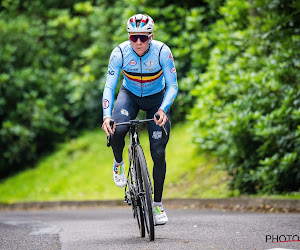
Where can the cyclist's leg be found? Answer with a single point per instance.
(125, 109)
(158, 145)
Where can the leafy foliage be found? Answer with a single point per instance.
(54, 64)
(238, 72)
(248, 99)
(52, 74)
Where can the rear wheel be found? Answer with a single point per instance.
(146, 191)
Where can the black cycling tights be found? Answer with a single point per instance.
(126, 108)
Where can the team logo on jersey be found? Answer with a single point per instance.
(124, 112)
(112, 58)
(105, 103)
(171, 57)
(157, 134)
(132, 62)
(151, 70)
(173, 70)
(150, 63)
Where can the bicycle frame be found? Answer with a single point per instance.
(140, 190)
(133, 142)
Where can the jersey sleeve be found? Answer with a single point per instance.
(114, 67)
(169, 71)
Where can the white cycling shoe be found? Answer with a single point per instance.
(119, 174)
(160, 216)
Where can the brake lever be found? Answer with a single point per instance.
(163, 128)
(111, 124)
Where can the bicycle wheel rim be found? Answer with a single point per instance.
(136, 204)
(146, 199)
(139, 216)
(140, 220)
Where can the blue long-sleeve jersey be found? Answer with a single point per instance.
(143, 76)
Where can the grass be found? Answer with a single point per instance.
(81, 169)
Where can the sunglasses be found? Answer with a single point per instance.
(143, 38)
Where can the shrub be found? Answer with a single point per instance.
(248, 101)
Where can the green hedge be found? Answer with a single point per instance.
(52, 72)
(54, 64)
(248, 100)
(238, 73)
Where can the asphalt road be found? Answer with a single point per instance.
(115, 228)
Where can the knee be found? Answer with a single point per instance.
(120, 131)
(119, 135)
(157, 150)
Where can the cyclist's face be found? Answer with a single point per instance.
(140, 47)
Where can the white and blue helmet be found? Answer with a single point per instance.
(140, 23)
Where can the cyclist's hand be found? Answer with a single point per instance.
(106, 126)
(163, 118)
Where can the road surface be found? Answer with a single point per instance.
(115, 228)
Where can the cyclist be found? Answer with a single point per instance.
(149, 84)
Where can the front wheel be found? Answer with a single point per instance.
(146, 192)
(134, 194)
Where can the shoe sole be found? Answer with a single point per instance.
(160, 224)
(121, 185)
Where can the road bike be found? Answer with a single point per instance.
(139, 190)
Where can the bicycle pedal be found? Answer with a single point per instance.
(128, 201)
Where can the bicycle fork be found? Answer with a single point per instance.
(129, 193)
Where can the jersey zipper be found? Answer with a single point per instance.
(141, 77)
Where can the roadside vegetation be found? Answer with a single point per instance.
(81, 169)
(237, 63)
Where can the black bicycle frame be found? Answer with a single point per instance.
(140, 190)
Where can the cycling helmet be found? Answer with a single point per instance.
(140, 23)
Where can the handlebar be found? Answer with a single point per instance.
(134, 123)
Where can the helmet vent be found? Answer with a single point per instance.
(140, 23)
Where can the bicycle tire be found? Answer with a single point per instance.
(146, 199)
(135, 200)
